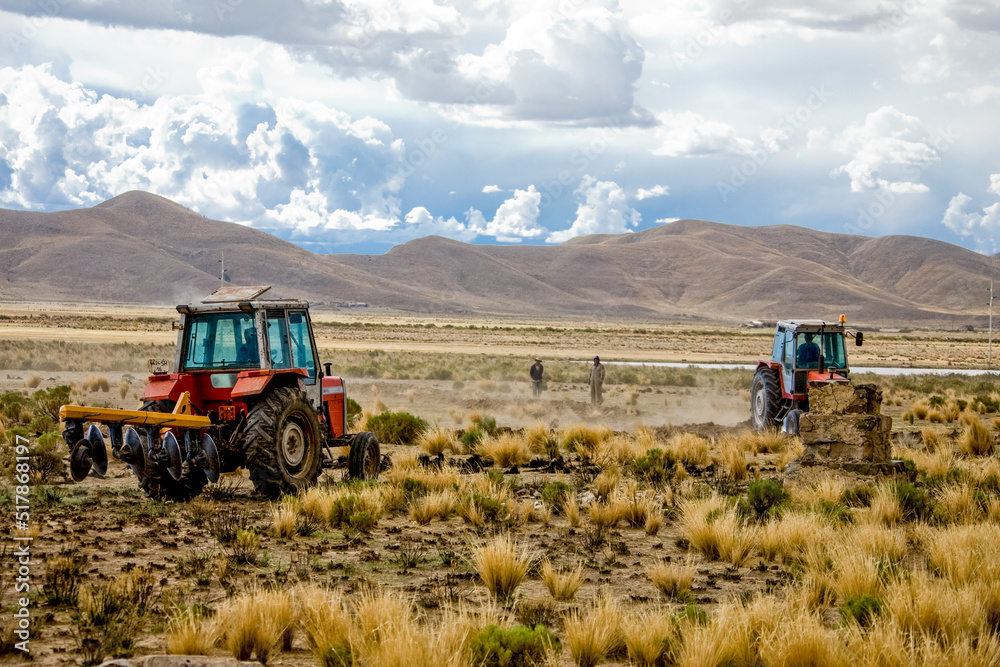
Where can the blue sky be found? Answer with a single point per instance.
(353, 125)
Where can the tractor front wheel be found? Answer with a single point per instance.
(765, 400)
(283, 443)
(156, 482)
(365, 457)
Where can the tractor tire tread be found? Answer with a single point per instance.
(261, 444)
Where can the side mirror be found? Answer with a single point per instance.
(859, 338)
(326, 369)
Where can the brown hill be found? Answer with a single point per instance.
(142, 248)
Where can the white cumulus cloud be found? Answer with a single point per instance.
(515, 219)
(690, 134)
(604, 210)
(234, 152)
(490, 189)
(982, 228)
(889, 151)
(655, 191)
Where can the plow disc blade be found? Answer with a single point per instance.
(133, 444)
(98, 452)
(80, 461)
(212, 463)
(173, 455)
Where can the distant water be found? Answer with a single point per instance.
(881, 370)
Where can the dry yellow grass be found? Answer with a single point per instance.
(975, 439)
(965, 553)
(439, 440)
(377, 612)
(572, 512)
(188, 633)
(671, 578)
(885, 508)
(617, 451)
(733, 458)
(315, 503)
(254, 623)
(689, 448)
(584, 440)
(502, 566)
(283, 517)
(562, 585)
(791, 536)
(505, 450)
(958, 504)
(595, 632)
(649, 636)
(606, 484)
(326, 623)
(439, 504)
(605, 515)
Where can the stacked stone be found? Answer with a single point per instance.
(845, 428)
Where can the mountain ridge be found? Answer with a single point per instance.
(142, 248)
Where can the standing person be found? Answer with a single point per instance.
(536, 377)
(596, 382)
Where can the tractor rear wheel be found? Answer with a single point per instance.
(765, 400)
(156, 482)
(283, 443)
(365, 456)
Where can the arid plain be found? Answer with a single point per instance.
(676, 559)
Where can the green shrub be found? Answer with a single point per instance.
(765, 498)
(555, 493)
(863, 609)
(518, 646)
(833, 511)
(362, 522)
(988, 403)
(859, 496)
(48, 401)
(654, 467)
(343, 509)
(42, 424)
(694, 613)
(470, 439)
(47, 456)
(397, 428)
(487, 425)
(11, 404)
(914, 502)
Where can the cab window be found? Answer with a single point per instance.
(220, 340)
(303, 355)
(779, 342)
(277, 338)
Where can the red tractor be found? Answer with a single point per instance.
(246, 390)
(806, 353)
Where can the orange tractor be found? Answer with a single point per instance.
(805, 353)
(246, 389)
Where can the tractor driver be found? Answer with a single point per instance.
(248, 352)
(808, 353)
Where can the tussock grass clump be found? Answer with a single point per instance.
(803, 640)
(595, 632)
(733, 458)
(284, 517)
(506, 450)
(672, 579)
(605, 516)
(957, 503)
(439, 504)
(584, 440)
(62, 578)
(378, 613)
(975, 439)
(572, 511)
(649, 637)
(541, 440)
(793, 535)
(315, 504)
(110, 617)
(254, 624)
(964, 554)
(327, 625)
(617, 451)
(190, 633)
(562, 585)
(502, 566)
(689, 448)
(439, 440)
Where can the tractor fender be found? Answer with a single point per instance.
(167, 387)
(253, 383)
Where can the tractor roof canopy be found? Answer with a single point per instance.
(228, 299)
(811, 325)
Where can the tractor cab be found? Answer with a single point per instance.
(805, 353)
